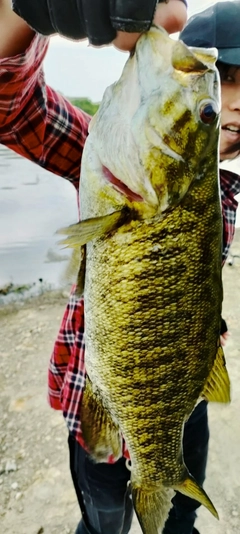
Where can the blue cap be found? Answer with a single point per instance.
(217, 26)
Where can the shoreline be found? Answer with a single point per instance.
(14, 295)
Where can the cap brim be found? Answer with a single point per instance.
(229, 55)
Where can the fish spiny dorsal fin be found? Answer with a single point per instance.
(217, 386)
(184, 60)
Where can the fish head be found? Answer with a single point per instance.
(154, 127)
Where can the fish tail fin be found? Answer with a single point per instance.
(191, 489)
(151, 507)
(101, 434)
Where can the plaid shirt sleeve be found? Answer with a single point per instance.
(36, 121)
(230, 187)
(41, 125)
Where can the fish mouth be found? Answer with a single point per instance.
(120, 186)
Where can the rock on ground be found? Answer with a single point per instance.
(36, 493)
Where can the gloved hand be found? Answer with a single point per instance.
(98, 20)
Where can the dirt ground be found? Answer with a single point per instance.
(36, 493)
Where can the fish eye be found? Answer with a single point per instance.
(207, 113)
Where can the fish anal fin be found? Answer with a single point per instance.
(191, 489)
(100, 433)
(217, 386)
(151, 506)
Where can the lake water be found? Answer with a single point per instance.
(34, 204)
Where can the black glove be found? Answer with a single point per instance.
(77, 19)
(98, 20)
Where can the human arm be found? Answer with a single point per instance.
(36, 121)
(101, 21)
(15, 34)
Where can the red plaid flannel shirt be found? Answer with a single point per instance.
(41, 125)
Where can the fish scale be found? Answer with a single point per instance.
(152, 236)
(138, 325)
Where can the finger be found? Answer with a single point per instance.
(126, 41)
(171, 16)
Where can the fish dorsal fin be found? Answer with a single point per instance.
(184, 60)
(217, 386)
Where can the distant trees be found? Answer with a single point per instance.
(85, 104)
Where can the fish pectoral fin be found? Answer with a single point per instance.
(151, 507)
(217, 386)
(191, 489)
(81, 233)
(101, 434)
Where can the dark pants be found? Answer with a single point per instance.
(103, 492)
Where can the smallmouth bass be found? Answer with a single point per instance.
(151, 238)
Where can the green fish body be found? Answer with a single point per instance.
(153, 292)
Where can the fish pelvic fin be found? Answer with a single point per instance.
(84, 231)
(217, 386)
(75, 270)
(81, 272)
(100, 433)
(191, 489)
(151, 507)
